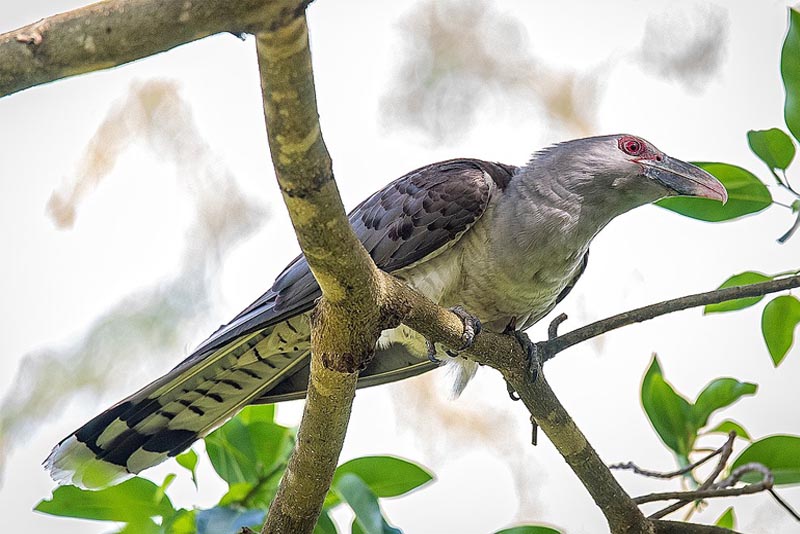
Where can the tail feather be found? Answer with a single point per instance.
(391, 363)
(167, 416)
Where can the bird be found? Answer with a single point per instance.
(505, 243)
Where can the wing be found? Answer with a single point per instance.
(412, 219)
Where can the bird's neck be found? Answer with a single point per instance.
(567, 203)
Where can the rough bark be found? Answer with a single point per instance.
(347, 320)
(107, 34)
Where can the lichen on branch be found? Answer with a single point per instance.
(106, 34)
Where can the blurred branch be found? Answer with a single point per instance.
(110, 33)
(463, 57)
(148, 324)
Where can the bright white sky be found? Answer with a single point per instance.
(55, 282)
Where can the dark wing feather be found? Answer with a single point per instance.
(417, 215)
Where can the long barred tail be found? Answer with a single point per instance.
(167, 416)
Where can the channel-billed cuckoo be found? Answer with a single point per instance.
(505, 243)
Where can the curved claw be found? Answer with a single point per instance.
(472, 327)
(535, 353)
(512, 393)
(432, 352)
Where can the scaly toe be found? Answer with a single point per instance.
(472, 327)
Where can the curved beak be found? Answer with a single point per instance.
(684, 178)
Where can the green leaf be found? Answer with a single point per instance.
(741, 279)
(386, 476)
(727, 519)
(746, 195)
(669, 413)
(188, 460)
(778, 322)
(142, 526)
(183, 522)
(790, 72)
(364, 502)
(325, 524)
(236, 493)
(781, 454)
(225, 520)
(528, 529)
(773, 146)
(264, 413)
(247, 452)
(132, 501)
(728, 425)
(718, 394)
(162, 489)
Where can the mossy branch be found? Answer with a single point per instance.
(348, 318)
(107, 34)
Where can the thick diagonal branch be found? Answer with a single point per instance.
(503, 353)
(110, 33)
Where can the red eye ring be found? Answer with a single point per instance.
(631, 145)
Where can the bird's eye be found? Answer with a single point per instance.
(631, 145)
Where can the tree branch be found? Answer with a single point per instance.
(662, 308)
(110, 33)
(725, 453)
(504, 353)
(722, 488)
(348, 319)
(725, 450)
(679, 527)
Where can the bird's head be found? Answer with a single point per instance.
(629, 167)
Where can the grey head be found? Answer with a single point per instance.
(619, 171)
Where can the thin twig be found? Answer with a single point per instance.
(652, 311)
(720, 489)
(701, 494)
(725, 453)
(671, 474)
(737, 474)
(785, 183)
(785, 237)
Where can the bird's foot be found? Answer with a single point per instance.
(432, 352)
(472, 327)
(536, 354)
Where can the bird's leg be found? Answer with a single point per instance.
(510, 328)
(472, 327)
(539, 352)
(536, 353)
